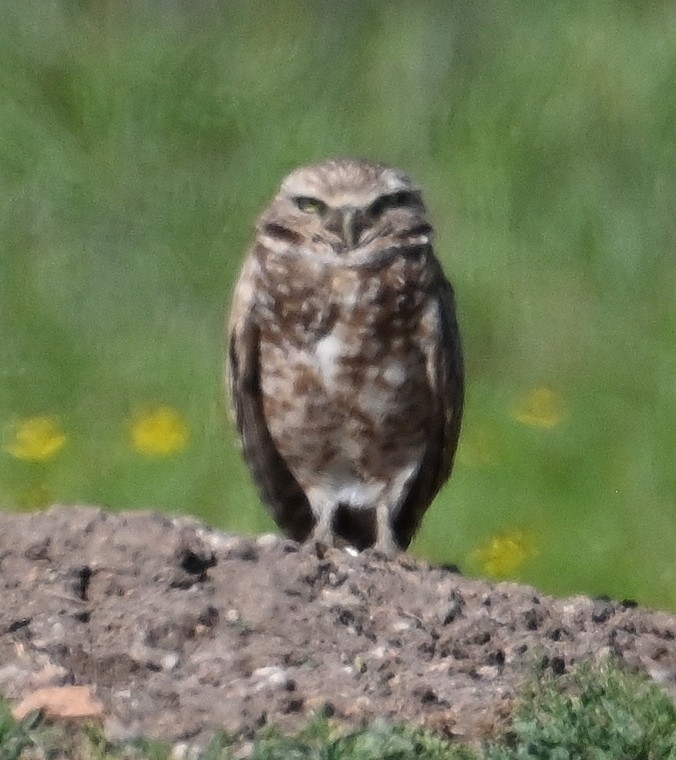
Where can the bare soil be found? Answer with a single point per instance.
(181, 630)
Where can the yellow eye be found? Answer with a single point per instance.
(310, 205)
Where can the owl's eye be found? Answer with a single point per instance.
(394, 200)
(310, 205)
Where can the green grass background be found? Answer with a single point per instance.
(139, 140)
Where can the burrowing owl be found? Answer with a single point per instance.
(345, 367)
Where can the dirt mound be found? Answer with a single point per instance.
(180, 629)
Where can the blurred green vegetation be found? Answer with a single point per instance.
(139, 140)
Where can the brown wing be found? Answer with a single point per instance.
(447, 381)
(277, 486)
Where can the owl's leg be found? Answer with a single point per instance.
(385, 543)
(322, 533)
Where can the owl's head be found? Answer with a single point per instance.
(346, 209)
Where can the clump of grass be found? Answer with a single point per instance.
(31, 739)
(14, 736)
(380, 741)
(594, 713)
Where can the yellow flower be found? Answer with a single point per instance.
(159, 432)
(37, 439)
(503, 555)
(542, 407)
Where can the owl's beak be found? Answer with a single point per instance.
(348, 224)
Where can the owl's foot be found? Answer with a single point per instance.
(387, 548)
